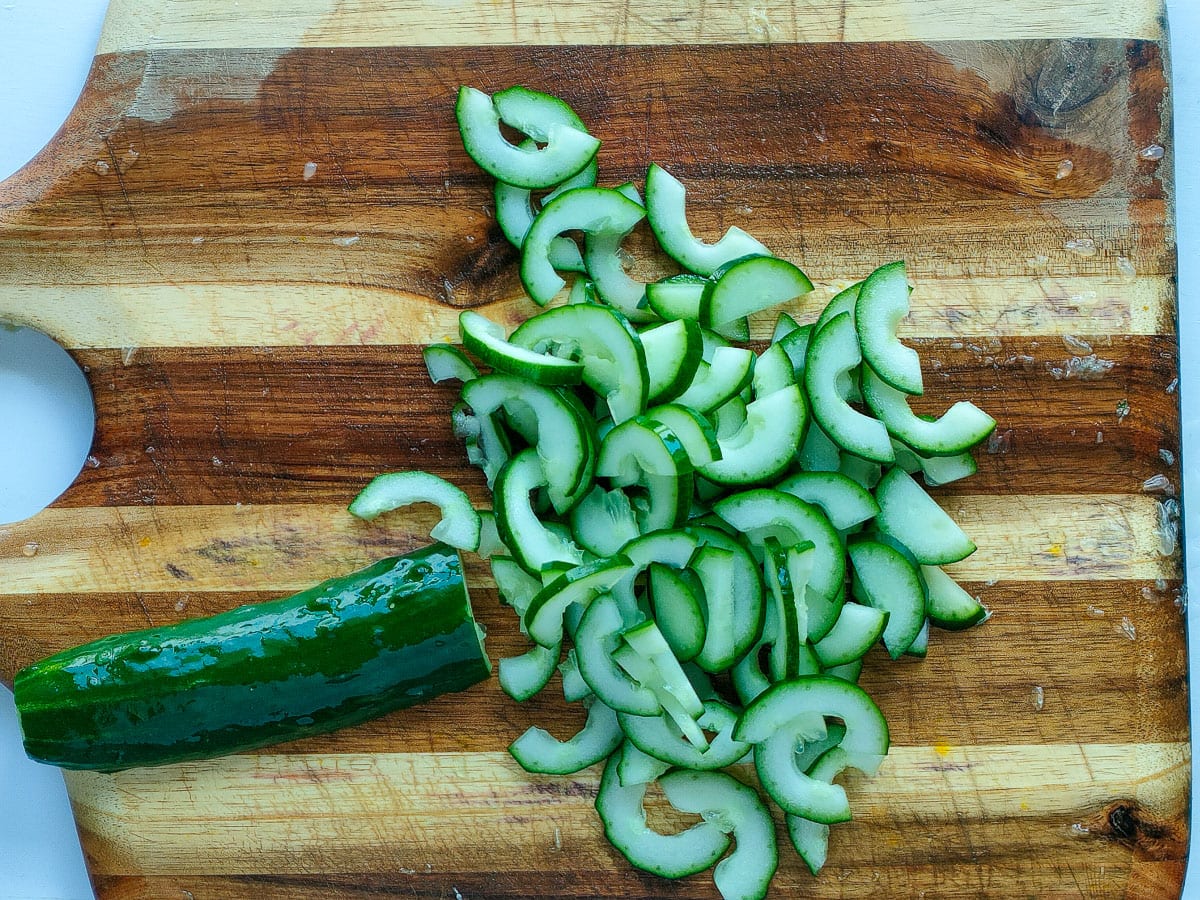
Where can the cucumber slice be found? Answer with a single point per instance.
(695, 434)
(882, 303)
(728, 418)
(866, 735)
(950, 606)
(762, 513)
(515, 586)
(574, 688)
(660, 738)
(568, 148)
(920, 645)
(647, 658)
(811, 840)
(885, 580)
(843, 301)
(459, 525)
(523, 676)
(540, 752)
(603, 257)
(445, 362)
(787, 575)
(590, 210)
(678, 297)
(848, 672)
(487, 445)
(818, 453)
(720, 798)
(795, 345)
(580, 585)
(913, 518)
(726, 376)
(961, 427)
(833, 352)
(559, 433)
(666, 200)
(772, 372)
(603, 522)
(855, 632)
(641, 453)
(677, 610)
(598, 636)
(533, 545)
(784, 325)
(765, 445)
(863, 472)
(533, 112)
(714, 567)
(750, 285)
(635, 767)
(490, 543)
(515, 212)
(844, 501)
(673, 352)
(670, 856)
(939, 470)
(608, 348)
(485, 339)
(732, 581)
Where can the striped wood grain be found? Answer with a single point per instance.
(250, 337)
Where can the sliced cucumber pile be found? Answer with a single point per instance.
(709, 537)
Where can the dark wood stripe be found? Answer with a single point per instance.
(288, 425)
(1109, 656)
(802, 143)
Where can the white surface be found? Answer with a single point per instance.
(45, 51)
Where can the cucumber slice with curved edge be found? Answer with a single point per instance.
(726, 376)
(855, 632)
(843, 301)
(863, 472)
(445, 362)
(523, 676)
(866, 729)
(762, 513)
(606, 345)
(788, 572)
(728, 419)
(603, 257)
(914, 519)
(818, 453)
(695, 434)
(949, 605)
(459, 525)
(598, 635)
(487, 445)
(560, 434)
(772, 372)
(490, 543)
(844, 500)
(920, 645)
(714, 567)
(485, 339)
(765, 445)
(590, 210)
(515, 586)
(533, 545)
(657, 736)
(721, 798)
(635, 767)
(961, 427)
(540, 752)
(641, 453)
(534, 112)
(811, 840)
(750, 285)
(678, 297)
(882, 303)
(940, 470)
(670, 856)
(580, 585)
(745, 587)
(603, 522)
(666, 201)
(785, 324)
(647, 658)
(795, 345)
(677, 610)
(834, 351)
(887, 581)
(515, 212)
(673, 351)
(568, 148)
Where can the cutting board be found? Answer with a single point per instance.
(257, 212)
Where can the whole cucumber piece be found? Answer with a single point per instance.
(391, 635)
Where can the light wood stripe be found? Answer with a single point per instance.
(191, 314)
(290, 546)
(346, 812)
(133, 25)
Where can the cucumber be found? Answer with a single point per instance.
(347, 650)
(913, 518)
(882, 303)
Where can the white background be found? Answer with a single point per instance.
(45, 51)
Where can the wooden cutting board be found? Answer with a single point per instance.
(258, 211)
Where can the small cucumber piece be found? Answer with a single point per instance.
(459, 526)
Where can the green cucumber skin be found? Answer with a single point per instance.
(347, 650)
